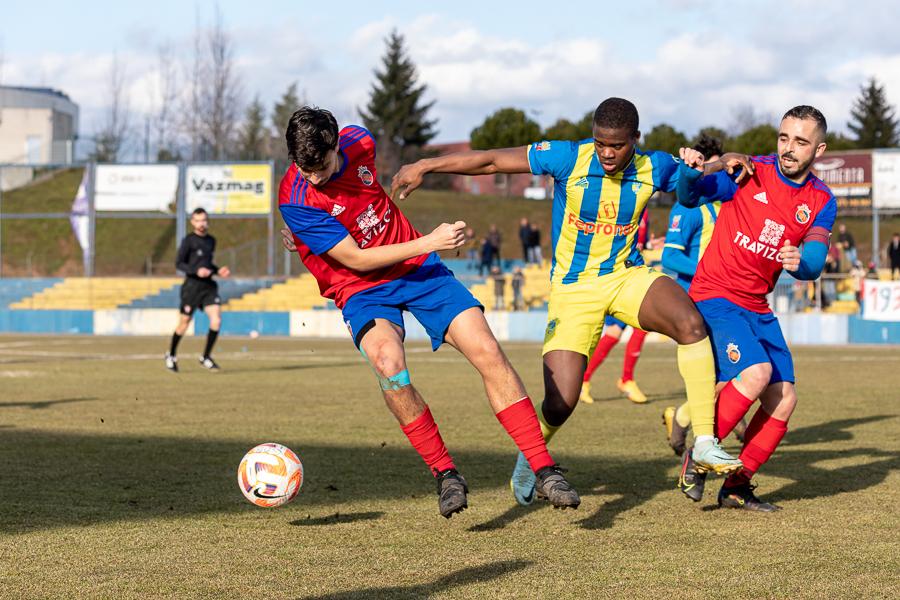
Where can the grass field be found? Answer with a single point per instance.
(118, 481)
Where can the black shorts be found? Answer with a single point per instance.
(198, 294)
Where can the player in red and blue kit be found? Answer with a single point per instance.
(775, 204)
(369, 259)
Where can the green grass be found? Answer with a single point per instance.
(118, 481)
(124, 246)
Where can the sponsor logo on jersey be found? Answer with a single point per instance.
(756, 247)
(591, 227)
(541, 146)
(370, 224)
(761, 197)
(771, 233)
(803, 213)
(336, 210)
(733, 353)
(365, 175)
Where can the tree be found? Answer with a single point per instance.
(166, 99)
(838, 141)
(396, 113)
(872, 119)
(111, 138)
(565, 129)
(666, 138)
(762, 139)
(508, 127)
(252, 139)
(281, 114)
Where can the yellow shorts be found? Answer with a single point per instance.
(576, 312)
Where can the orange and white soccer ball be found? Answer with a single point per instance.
(270, 475)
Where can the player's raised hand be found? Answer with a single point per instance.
(408, 178)
(692, 158)
(789, 256)
(734, 160)
(224, 272)
(287, 240)
(448, 236)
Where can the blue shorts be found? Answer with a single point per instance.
(431, 293)
(610, 320)
(742, 338)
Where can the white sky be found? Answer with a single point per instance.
(685, 62)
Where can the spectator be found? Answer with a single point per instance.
(857, 274)
(534, 245)
(847, 244)
(872, 272)
(525, 238)
(495, 239)
(472, 246)
(487, 256)
(499, 288)
(518, 280)
(893, 254)
(832, 266)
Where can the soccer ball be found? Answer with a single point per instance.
(270, 475)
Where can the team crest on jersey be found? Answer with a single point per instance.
(551, 330)
(336, 210)
(676, 223)
(803, 213)
(733, 353)
(365, 175)
(541, 146)
(771, 233)
(636, 186)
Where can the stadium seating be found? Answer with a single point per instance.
(13, 291)
(535, 290)
(93, 293)
(297, 293)
(229, 289)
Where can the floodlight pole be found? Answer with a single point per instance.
(876, 243)
(1, 222)
(270, 238)
(92, 220)
(179, 205)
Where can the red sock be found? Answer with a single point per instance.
(632, 353)
(521, 423)
(731, 406)
(423, 434)
(605, 344)
(764, 433)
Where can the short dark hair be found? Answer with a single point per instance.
(617, 113)
(199, 211)
(805, 111)
(311, 133)
(708, 146)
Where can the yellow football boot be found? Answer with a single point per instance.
(632, 391)
(585, 395)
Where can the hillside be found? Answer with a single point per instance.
(48, 247)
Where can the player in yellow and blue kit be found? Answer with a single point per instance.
(601, 187)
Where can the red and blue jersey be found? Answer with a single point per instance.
(351, 203)
(759, 214)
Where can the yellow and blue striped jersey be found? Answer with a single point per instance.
(595, 215)
(690, 230)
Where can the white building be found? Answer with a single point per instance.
(37, 126)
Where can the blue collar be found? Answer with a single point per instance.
(785, 179)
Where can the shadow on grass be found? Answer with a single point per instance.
(831, 431)
(228, 369)
(42, 404)
(337, 518)
(456, 579)
(87, 479)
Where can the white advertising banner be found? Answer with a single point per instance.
(881, 300)
(229, 189)
(135, 187)
(885, 179)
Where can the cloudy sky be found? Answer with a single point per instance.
(684, 62)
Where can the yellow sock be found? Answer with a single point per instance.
(683, 415)
(548, 430)
(695, 363)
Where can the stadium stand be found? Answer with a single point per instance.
(13, 291)
(93, 293)
(229, 289)
(297, 293)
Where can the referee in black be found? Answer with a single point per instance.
(199, 290)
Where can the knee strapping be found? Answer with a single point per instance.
(394, 382)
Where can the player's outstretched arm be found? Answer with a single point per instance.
(473, 162)
(805, 265)
(446, 236)
(677, 260)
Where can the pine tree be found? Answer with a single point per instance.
(281, 114)
(396, 113)
(252, 137)
(872, 119)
